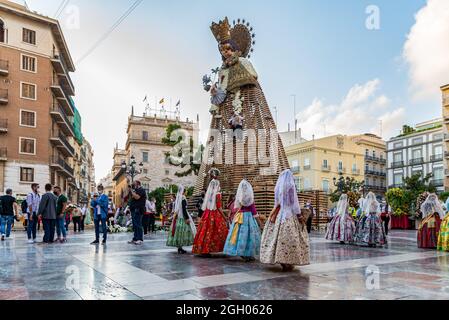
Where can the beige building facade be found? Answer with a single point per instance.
(36, 109)
(144, 142)
(375, 152)
(445, 101)
(316, 163)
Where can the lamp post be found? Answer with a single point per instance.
(131, 168)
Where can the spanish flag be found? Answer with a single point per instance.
(162, 101)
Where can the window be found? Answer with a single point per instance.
(28, 63)
(398, 178)
(374, 153)
(28, 91)
(438, 136)
(397, 157)
(325, 164)
(27, 118)
(438, 174)
(26, 174)
(306, 162)
(307, 184)
(340, 165)
(326, 185)
(354, 167)
(416, 154)
(29, 36)
(144, 156)
(295, 163)
(297, 183)
(2, 31)
(438, 150)
(27, 146)
(397, 145)
(417, 140)
(145, 135)
(366, 152)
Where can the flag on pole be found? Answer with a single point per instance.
(162, 101)
(145, 99)
(179, 103)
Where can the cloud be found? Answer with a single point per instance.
(360, 111)
(427, 48)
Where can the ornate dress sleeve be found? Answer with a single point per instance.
(249, 67)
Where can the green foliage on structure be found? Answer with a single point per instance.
(189, 156)
(160, 193)
(403, 201)
(77, 126)
(349, 186)
(407, 130)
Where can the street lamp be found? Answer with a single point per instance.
(131, 168)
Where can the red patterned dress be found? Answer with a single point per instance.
(428, 232)
(212, 231)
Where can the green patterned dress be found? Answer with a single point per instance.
(181, 234)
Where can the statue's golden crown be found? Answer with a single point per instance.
(221, 30)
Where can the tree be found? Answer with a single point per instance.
(184, 154)
(160, 193)
(349, 186)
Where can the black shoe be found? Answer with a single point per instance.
(103, 242)
(95, 242)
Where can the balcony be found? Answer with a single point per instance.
(436, 157)
(375, 188)
(397, 185)
(60, 117)
(60, 141)
(437, 182)
(397, 164)
(3, 154)
(375, 159)
(375, 173)
(3, 96)
(59, 66)
(341, 170)
(307, 168)
(295, 169)
(134, 137)
(59, 164)
(63, 100)
(3, 125)
(326, 168)
(4, 68)
(417, 161)
(355, 172)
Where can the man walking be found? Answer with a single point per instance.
(33, 201)
(61, 206)
(9, 210)
(47, 209)
(137, 206)
(100, 205)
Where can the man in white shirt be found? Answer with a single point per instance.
(149, 219)
(33, 201)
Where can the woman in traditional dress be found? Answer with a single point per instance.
(429, 229)
(244, 236)
(443, 238)
(342, 227)
(213, 228)
(285, 239)
(182, 230)
(370, 230)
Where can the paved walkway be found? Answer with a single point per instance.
(77, 270)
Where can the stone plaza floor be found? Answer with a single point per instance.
(154, 272)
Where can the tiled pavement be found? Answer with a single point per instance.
(155, 272)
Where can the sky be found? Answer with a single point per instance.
(346, 77)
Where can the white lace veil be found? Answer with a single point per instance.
(210, 199)
(286, 196)
(371, 204)
(178, 201)
(244, 196)
(432, 205)
(343, 204)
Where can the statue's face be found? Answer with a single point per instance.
(226, 50)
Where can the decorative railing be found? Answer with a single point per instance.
(61, 162)
(416, 161)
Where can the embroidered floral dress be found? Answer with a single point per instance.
(428, 232)
(370, 230)
(181, 233)
(443, 238)
(244, 236)
(212, 231)
(285, 242)
(341, 228)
